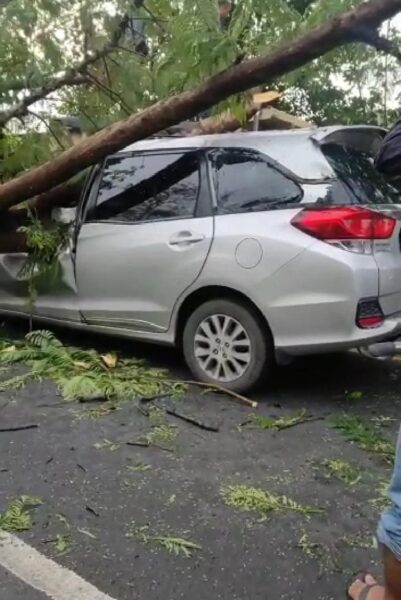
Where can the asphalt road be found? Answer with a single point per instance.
(104, 504)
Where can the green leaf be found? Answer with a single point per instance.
(17, 517)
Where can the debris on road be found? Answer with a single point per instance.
(18, 428)
(192, 420)
(259, 422)
(17, 517)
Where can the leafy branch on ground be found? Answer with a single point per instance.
(82, 374)
(173, 544)
(251, 499)
(259, 422)
(17, 516)
(163, 436)
(366, 436)
(343, 470)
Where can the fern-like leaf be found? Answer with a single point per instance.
(18, 517)
(42, 338)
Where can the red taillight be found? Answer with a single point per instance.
(370, 322)
(369, 314)
(344, 223)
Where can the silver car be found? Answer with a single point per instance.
(242, 249)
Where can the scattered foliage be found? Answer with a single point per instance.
(366, 436)
(45, 246)
(82, 374)
(139, 467)
(63, 543)
(343, 470)
(383, 421)
(17, 516)
(157, 416)
(360, 541)
(162, 436)
(354, 396)
(310, 549)
(108, 445)
(382, 500)
(97, 412)
(251, 499)
(176, 545)
(173, 544)
(259, 422)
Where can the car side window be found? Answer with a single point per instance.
(139, 188)
(247, 182)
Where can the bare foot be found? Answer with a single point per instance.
(368, 589)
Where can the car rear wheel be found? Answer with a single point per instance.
(225, 343)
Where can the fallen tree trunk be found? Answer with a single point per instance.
(67, 194)
(346, 28)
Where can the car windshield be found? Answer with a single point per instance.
(355, 170)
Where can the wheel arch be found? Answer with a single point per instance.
(214, 292)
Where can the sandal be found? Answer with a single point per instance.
(369, 587)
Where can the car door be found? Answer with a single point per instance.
(144, 239)
(50, 294)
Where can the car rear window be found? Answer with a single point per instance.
(358, 181)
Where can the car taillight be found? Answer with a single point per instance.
(344, 223)
(369, 314)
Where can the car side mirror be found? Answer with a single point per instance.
(64, 215)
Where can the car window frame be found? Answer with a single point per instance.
(203, 205)
(271, 162)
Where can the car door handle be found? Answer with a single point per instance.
(186, 238)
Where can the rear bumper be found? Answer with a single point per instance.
(389, 331)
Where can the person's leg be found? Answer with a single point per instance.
(389, 535)
(392, 575)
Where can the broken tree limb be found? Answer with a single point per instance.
(20, 428)
(371, 37)
(192, 420)
(221, 123)
(67, 194)
(222, 390)
(138, 443)
(337, 32)
(71, 76)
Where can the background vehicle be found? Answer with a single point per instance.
(240, 248)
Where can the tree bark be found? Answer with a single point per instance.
(339, 31)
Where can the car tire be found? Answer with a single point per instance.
(230, 332)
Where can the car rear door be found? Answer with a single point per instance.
(144, 239)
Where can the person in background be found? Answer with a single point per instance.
(225, 12)
(389, 535)
(388, 162)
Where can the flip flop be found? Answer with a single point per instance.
(365, 592)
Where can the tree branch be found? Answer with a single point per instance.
(18, 85)
(110, 93)
(371, 37)
(49, 127)
(336, 32)
(55, 83)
